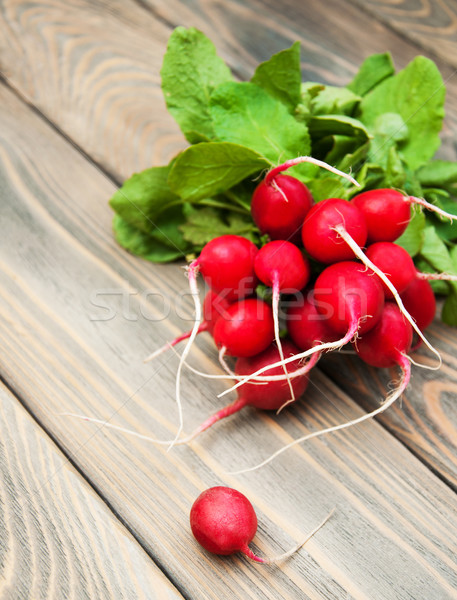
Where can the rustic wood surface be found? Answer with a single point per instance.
(58, 538)
(81, 110)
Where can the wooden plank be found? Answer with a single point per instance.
(58, 539)
(102, 86)
(394, 534)
(431, 24)
(425, 420)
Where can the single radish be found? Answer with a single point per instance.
(419, 300)
(281, 266)
(388, 212)
(306, 326)
(279, 206)
(271, 395)
(384, 345)
(214, 306)
(246, 329)
(395, 262)
(351, 300)
(227, 265)
(321, 240)
(224, 522)
(281, 202)
(388, 342)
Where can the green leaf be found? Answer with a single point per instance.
(327, 187)
(280, 76)
(449, 310)
(137, 242)
(439, 173)
(372, 71)
(245, 114)
(207, 169)
(334, 100)
(191, 70)
(205, 224)
(143, 197)
(412, 239)
(417, 94)
(323, 125)
(388, 130)
(435, 252)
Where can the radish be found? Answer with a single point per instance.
(280, 265)
(387, 344)
(319, 235)
(384, 345)
(306, 326)
(224, 522)
(279, 206)
(227, 266)
(246, 329)
(395, 262)
(419, 300)
(388, 212)
(214, 306)
(281, 202)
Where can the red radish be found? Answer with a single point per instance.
(388, 212)
(227, 266)
(306, 326)
(385, 345)
(320, 239)
(279, 207)
(350, 298)
(395, 262)
(419, 300)
(280, 202)
(224, 522)
(214, 306)
(388, 342)
(281, 266)
(272, 395)
(246, 329)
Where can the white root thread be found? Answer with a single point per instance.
(406, 374)
(301, 355)
(289, 553)
(436, 276)
(368, 263)
(432, 208)
(308, 159)
(278, 189)
(158, 352)
(191, 272)
(275, 303)
(116, 427)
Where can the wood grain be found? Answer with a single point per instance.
(425, 420)
(93, 67)
(431, 24)
(394, 533)
(58, 539)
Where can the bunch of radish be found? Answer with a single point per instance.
(349, 281)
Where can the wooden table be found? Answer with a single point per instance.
(89, 512)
